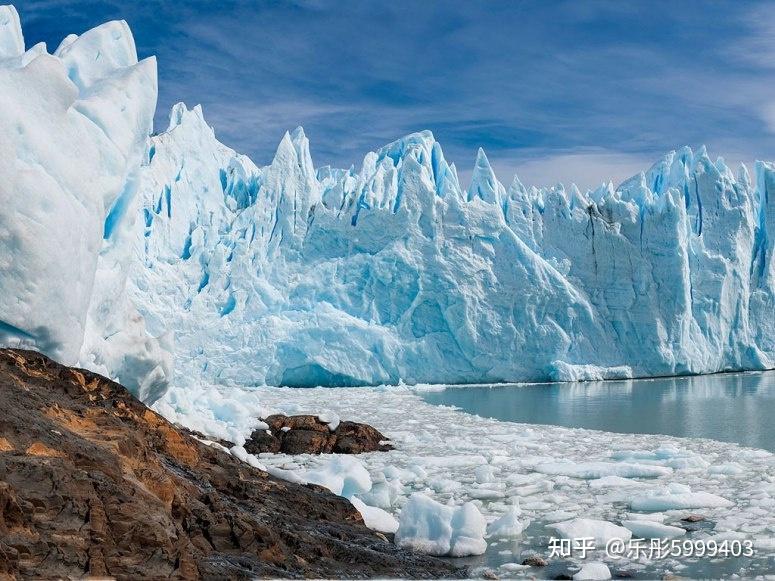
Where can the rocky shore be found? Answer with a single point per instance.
(92, 482)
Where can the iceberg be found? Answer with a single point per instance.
(645, 529)
(430, 527)
(171, 259)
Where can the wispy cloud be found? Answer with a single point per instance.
(551, 89)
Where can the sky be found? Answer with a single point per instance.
(555, 91)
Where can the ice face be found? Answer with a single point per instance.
(288, 275)
(129, 254)
(73, 132)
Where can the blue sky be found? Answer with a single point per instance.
(554, 91)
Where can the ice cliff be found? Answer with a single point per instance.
(121, 250)
(296, 276)
(73, 131)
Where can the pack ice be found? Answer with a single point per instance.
(123, 251)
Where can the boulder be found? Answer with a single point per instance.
(307, 434)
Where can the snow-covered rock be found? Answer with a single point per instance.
(430, 527)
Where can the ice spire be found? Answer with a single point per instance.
(484, 184)
(11, 38)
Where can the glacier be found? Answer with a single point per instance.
(395, 273)
(171, 260)
(74, 127)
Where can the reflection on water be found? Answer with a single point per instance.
(728, 407)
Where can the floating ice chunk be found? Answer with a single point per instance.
(383, 493)
(594, 571)
(430, 527)
(343, 475)
(615, 481)
(602, 531)
(561, 371)
(485, 493)
(444, 484)
(666, 456)
(531, 489)
(730, 468)
(484, 473)
(425, 526)
(468, 530)
(653, 516)
(508, 525)
(513, 567)
(764, 544)
(557, 516)
(647, 529)
(675, 498)
(596, 470)
(451, 461)
(294, 476)
(375, 518)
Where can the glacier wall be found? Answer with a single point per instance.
(295, 276)
(74, 127)
(126, 252)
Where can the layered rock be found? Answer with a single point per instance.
(309, 435)
(93, 483)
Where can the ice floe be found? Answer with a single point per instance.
(454, 458)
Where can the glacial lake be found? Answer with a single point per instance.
(731, 407)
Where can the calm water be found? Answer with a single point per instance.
(729, 407)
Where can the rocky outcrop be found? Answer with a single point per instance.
(92, 482)
(306, 434)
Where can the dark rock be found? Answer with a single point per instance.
(306, 442)
(277, 422)
(260, 441)
(225, 443)
(306, 434)
(93, 483)
(535, 561)
(355, 438)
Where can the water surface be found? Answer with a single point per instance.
(729, 407)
